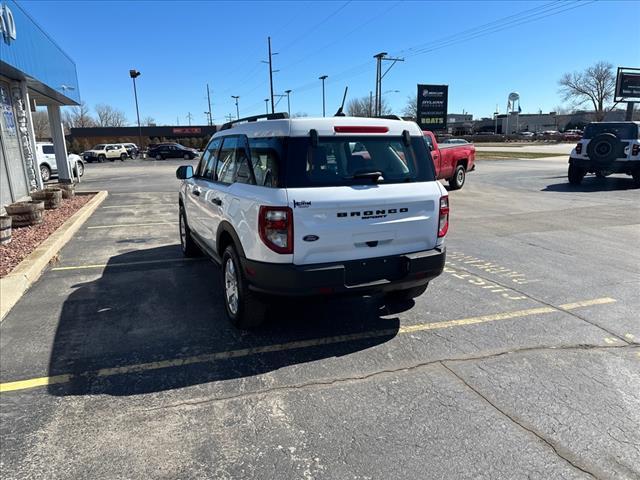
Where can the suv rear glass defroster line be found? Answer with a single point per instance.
(356, 160)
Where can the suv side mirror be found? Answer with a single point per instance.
(184, 172)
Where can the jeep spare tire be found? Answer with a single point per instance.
(604, 148)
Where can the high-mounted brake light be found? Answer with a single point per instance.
(275, 225)
(443, 222)
(579, 148)
(360, 129)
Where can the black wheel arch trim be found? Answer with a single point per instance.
(228, 228)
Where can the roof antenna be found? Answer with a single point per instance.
(340, 113)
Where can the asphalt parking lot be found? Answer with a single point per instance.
(521, 361)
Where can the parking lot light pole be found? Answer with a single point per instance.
(236, 98)
(135, 74)
(323, 78)
(266, 102)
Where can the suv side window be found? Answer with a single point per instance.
(48, 149)
(227, 164)
(243, 174)
(429, 142)
(207, 165)
(265, 158)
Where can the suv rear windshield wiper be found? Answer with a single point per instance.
(373, 175)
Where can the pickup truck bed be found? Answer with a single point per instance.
(452, 161)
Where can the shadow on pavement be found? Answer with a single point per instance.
(154, 312)
(592, 183)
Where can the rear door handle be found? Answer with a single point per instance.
(217, 201)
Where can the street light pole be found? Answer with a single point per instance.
(135, 74)
(209, 100)
(288, 92)
(266, 102)
(236, 97)
(323, 78)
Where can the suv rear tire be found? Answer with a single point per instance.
(101, 158)
(45, 173)
(244, 309)
(459, 176)
(188, 246)
(575, 174)
(123, 157)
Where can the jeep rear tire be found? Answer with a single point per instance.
(575, 174)
(244, 309)
(459, 176)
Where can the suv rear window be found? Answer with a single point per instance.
(344, 161)
(621, 130)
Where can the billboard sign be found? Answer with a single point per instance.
(432, 107)
(628, 85)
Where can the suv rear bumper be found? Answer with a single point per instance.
(381, 274)
(617, 166)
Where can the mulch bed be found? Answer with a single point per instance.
(25, 240)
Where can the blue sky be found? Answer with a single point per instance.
(181, 46)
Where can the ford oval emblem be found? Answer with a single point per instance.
(310, 238)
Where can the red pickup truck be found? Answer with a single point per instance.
(452, 161)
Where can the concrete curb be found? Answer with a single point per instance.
(14, 285)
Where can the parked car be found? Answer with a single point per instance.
(106, 151)
(606, 148)
(571, 135)
(454, 140)
(46, 157)
(527, 134)
(451, 161)
(163, 151)
(294, 207)
(132, 150)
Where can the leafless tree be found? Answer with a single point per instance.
(595, 85)
(109, 116)
(78, 117)
(364, 107)
(148, 122)
(41, 125)
(411, 108)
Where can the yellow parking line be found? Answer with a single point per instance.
(131, 225)
(280, 347)
(587, 303)
(122, 264)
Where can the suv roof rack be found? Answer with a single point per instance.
(255, 118)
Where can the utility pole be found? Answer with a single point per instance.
(266, 104)
(370, 103)
(629, 115)
(209, 100)
(229, 118)
(177, 120)
(271, 72)
(288, 92)
(189, 117)
(135, 74)
(323, 78)
(380, 57)
(236, 98)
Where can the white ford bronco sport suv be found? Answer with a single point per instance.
(314, 206)
(606, 148)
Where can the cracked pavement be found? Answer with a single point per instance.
(161, 386)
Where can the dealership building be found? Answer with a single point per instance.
(34, 71)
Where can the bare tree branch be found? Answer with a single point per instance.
(594, 85)
(41, 125)
(109, 116)
(363, 107)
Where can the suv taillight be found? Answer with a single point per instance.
(579, 148)
(443, 222)
(635, 149)
(276, 228)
